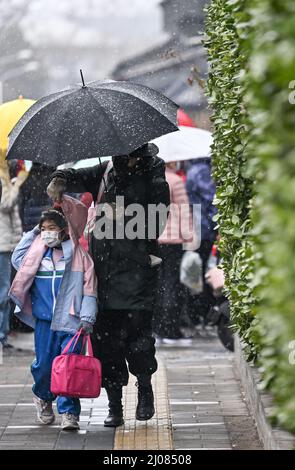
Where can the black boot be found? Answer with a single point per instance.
(115, 416)
(145, 406)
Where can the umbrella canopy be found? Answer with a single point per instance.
(100, 119)
(10, 113)
(187, 144)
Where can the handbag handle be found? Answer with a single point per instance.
(87, 342)
(86, 339)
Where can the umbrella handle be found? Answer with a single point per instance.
(82, 78)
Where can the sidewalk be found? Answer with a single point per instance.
(199, 405)
(18, 426)
(207, 406)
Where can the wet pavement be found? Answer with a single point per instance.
(199, 405)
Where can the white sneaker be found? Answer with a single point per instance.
(177, 342)
(69, 422)
(45, 412)
(185, 341)
(158, 340)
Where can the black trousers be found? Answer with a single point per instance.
(122, 337)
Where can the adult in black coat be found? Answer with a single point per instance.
(126, 278)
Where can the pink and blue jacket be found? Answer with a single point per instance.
(77, 295)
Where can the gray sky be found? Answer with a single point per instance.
(102, 22)
(92, 34)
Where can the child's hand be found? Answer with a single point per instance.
(87, 327)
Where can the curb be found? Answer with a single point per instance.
(260, 404)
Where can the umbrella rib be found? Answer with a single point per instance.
(107, 115)
(64, 114)
(139, 99)
(129, 93)
(101, 109)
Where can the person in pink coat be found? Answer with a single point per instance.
(178, 236)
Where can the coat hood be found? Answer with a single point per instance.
(76, 214)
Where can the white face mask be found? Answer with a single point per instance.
(50, 238)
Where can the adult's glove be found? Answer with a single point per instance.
(87, 327)
(56, 188)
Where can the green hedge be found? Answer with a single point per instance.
(234, 187)
(271, 71)
(251, 49)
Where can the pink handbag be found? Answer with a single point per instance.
(76, 375)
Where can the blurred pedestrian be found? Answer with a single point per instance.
(201, 191)
(33, 198)
(178, 235)
(55, 290)
(10, 235)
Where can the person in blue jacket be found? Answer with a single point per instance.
(55, 290)
(201, 190)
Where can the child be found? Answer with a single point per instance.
(55, 290)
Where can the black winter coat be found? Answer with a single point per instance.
(126, 279)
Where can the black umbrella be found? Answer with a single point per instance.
(102, 118)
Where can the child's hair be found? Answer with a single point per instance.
(56, 215)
